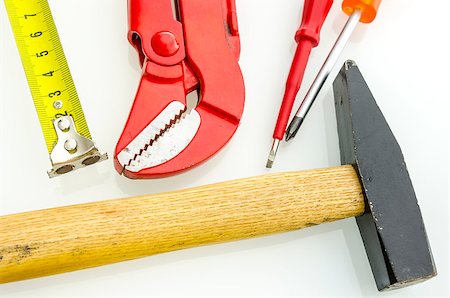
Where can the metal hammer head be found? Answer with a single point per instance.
(392, 227)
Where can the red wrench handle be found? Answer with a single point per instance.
(208, 54)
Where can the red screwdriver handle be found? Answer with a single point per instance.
(307, 37)
(314, 15)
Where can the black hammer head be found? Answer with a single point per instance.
(392, 227)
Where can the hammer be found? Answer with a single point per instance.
(373, 185)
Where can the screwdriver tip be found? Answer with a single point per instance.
(273, 153)
(293, 127)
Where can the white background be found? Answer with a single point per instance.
(404, 56)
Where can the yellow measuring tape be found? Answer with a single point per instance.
(57, 104)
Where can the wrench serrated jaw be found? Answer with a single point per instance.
(163, 139)
(169, 145)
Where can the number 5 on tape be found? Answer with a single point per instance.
(66, 133)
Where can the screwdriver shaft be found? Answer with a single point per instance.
(273, 153)
(321, 77)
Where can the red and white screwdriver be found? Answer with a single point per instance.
(363, 11)
(307, 37)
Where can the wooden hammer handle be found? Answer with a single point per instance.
(51, 241)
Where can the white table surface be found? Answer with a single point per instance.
(403, 55)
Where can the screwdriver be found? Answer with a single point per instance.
(307, 37)
(363, 11)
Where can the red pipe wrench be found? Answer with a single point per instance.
(193, 46)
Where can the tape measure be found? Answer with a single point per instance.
(60, 114)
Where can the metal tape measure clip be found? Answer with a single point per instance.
(59, 110)
(72, 151)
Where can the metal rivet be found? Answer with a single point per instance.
(70, 145)
(165, 44)
(57, 104)
(64, 124)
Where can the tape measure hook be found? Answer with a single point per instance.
(72, 151)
